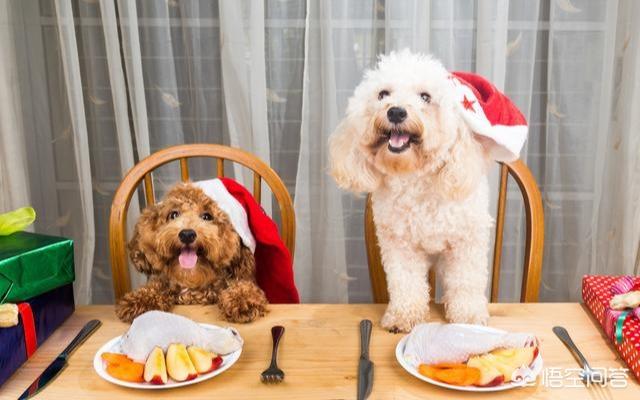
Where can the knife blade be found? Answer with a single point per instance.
(365, 366)
(60, 363)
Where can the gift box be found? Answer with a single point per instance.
(38, 318)
(621, 327)
(32, 264)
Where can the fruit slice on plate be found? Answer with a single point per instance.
(509, 360)
(453, 374)
(489, 374)
(203, 360)
(503, 362)
(115, 358)
(516, 356)
(179, 365)
(130, 372)
(121, 367)
(155, 369)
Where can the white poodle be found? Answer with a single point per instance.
(405, 139)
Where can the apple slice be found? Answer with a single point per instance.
(155, 369)
(509, 360)
(489, 374)
(179, 365)
(516, 357)
(204, 361)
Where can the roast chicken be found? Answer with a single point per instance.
(157, 328)
(435, 343)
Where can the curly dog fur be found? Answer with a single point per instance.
(430, 196)
(225, 268)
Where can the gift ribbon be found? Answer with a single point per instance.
(623, 285)
(29, 328)
(619, 324)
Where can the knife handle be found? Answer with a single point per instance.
(365, 337)
(84, 333)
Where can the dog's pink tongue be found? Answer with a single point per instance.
(188, 258)
(398, 139)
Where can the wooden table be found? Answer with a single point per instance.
(319, 353)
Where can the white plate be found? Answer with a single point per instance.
(113, 346)
(536, 368)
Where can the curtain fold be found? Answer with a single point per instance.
(75, 99)
(120, 112)
(320, 234)
(617, 228)
(91, 87)
(244, 82)
(128, 19)
(13, 156)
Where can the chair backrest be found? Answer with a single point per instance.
(533, 246)
(143, 171)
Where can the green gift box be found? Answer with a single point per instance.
(32, 264)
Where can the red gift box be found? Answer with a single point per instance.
(596, 293)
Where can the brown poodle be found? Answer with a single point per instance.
(191, 253)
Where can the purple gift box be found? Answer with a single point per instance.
(49, 311)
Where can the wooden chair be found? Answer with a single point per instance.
(533, 248)
(143, 171)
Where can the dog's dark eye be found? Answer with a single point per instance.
(426, 97)
(173, 215)
(383, 94)
(207, 217)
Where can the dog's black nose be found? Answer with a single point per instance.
(396, 114)
(187, 236)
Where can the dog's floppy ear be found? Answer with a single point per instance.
(142, 255)
(465, 164)
(348, 163)
(243, 265)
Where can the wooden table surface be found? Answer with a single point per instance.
(319, 354)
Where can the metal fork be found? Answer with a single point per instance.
(588, 375)
(273, 374)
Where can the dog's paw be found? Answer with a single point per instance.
(396, 321)
(243, 310)
(140, 301)
(471, 311)
(242, 302)
(126, 312)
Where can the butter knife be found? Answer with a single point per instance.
(365, 366)
(52, 371)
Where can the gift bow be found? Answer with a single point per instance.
(16, 220)
(615, 318)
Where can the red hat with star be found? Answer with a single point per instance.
(258, 232)
(490, 114)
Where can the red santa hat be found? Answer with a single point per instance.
(491, 115)
(274, 266)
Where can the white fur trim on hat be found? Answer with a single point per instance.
(215, 189)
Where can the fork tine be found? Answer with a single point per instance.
(590, 392)
(606, 393)
(598, 389)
